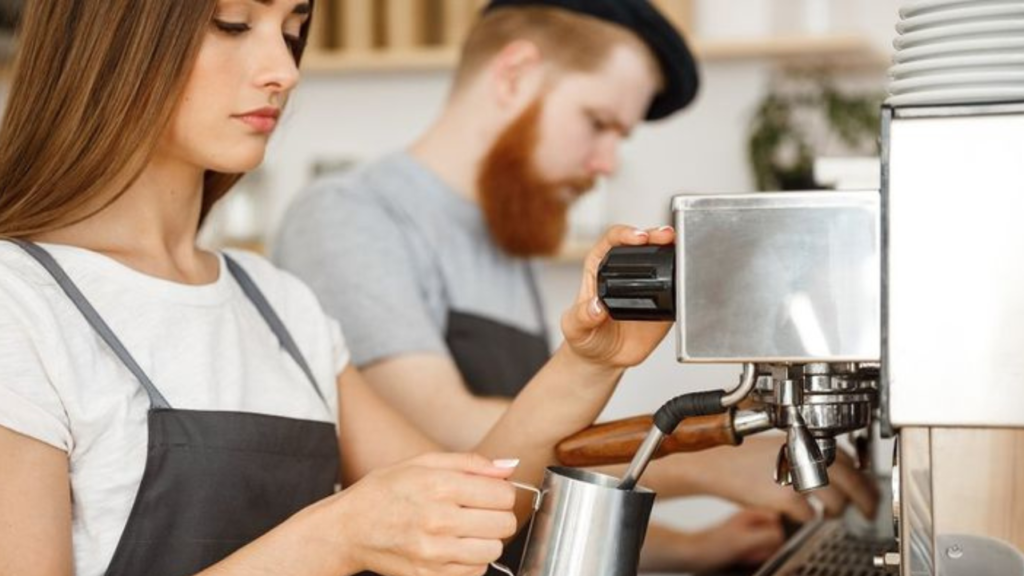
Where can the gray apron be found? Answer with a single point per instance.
(214, 481)
(494, 358)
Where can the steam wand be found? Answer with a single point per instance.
(668, 417)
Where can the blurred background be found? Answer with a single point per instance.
(790, 97)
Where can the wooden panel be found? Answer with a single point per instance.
(354, 25)
(320, 27)
(1018, 496)
(679, 12)
(457, 19)
(977, 490)
(405, 24)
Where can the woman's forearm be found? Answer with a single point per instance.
(297, 546)
(565, 396)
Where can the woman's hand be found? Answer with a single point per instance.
(435, 515)
(589, 330)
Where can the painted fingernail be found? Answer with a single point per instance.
(506, 463)
(595, 307)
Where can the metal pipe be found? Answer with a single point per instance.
(749, 422)
(747, 382)
(643, 457)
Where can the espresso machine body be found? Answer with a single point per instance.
(905, 306)
(953, 324)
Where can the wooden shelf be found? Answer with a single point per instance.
(380, 61)
(841, 51)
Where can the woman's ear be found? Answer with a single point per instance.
(516, 75)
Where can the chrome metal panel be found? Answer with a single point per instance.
(971, 555)
(917, 527)
(954, 280)
(778, 277)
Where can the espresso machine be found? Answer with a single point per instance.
(894, 314)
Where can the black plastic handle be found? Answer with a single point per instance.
(638, 283)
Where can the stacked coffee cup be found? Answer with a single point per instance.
(959, 51)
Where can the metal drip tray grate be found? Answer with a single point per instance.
(832, 551)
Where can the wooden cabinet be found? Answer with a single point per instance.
(388, 34)
(367, 35)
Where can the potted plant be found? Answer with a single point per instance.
(803, 117)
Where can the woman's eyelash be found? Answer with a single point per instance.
(231, 27)
(296, 44)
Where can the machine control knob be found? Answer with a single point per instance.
(638, 283)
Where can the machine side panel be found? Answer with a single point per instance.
(954, 296)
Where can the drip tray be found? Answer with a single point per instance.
(830, 550)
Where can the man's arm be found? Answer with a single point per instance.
(429, 391)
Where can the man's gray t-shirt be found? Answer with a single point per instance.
(390, 249)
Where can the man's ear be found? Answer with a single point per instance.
(516, 75)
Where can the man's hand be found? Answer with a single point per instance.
(589, 330)
(743, 475)
(746, 538)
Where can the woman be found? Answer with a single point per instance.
(166, 410)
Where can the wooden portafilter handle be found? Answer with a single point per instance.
(616, 442)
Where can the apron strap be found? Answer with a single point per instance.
(538, 302)
(156, 399)
(276, 325)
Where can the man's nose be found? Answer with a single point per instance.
(606, 158)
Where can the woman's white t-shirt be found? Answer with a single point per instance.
(204, 347)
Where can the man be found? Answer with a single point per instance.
(424, 255)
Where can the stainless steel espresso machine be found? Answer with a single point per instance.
(900, 309)
(903, 306)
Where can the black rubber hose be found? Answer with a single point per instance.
(668, 417)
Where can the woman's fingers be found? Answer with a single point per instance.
(471, 491)
(455, 522)
(618, 235)
(469, 463)
(470, 551)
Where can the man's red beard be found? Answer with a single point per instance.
(526, 213)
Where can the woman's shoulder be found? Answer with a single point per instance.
(18, 266)
(281, 288)
(24, 283)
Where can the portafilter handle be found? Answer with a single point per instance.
(617, 442)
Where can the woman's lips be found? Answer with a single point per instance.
(263, 120)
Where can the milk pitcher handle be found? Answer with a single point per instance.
(537, 497)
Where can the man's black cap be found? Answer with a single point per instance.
(640, 17)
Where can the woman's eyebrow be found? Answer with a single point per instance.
(303, 8)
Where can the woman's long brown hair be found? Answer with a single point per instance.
(95, 84)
